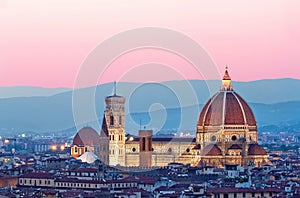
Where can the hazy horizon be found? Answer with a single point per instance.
(69, 88)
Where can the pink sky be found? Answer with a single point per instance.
(43, 43)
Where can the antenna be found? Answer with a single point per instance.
(140, 124)
(115, 88)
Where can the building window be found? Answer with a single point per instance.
(169, 150)
(187, 150)
(143, 144)
(120, 120)
(111, 120)
(233, 138)
(133, 149)
(213, 138)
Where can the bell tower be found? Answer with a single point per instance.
(116, 128)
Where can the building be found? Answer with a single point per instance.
(226, 133)
(87, 139)
(115, 119)
(38, 179)
(7, 181)
(227, 130)
(243, 192)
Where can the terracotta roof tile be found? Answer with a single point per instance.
(255, 149)
(86, 136)
(233, 107)
(211, 150)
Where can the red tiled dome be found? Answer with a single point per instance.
(226, 108)
(86, 136)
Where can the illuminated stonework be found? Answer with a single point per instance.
(226, 133)
(228, 123)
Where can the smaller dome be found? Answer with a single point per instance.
(88, 157)
(86, 136)
(255, 149)
(212, 150)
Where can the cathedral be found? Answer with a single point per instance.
(226, 133)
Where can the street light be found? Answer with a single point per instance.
(53, 147)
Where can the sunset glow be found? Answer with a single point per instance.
(43, 43)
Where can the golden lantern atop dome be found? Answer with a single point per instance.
(226, 81)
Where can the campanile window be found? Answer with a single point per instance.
(111, 120)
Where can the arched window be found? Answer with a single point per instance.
(111, 120)
(120, 120)
(213, 138)
(143, 144)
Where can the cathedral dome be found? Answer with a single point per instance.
(226, 108)
(86, 136)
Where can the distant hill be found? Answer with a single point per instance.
(270, 117)
(275, 102)
(20, 91)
